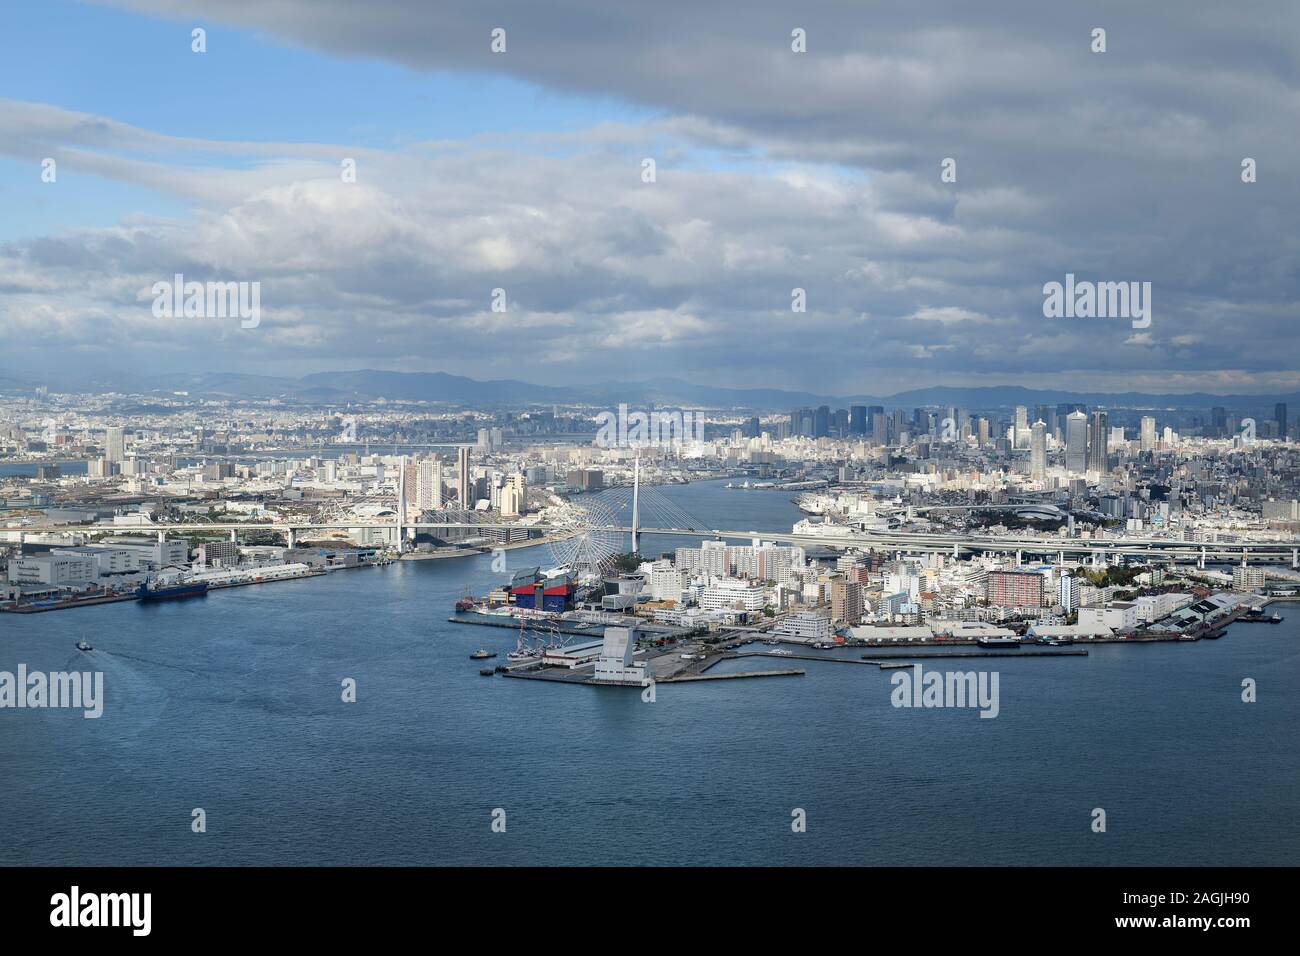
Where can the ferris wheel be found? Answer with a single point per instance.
(588, 539)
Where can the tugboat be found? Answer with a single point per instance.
(482, 654)
(83, 646)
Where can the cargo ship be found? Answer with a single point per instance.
(1258, 614)
(172, 591)
(1010, 641)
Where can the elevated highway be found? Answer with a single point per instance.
(903, 542)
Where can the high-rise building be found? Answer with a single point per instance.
(858, 419)
(408, 485)
(1279, 415)
(879, 428)
(846, 600)
(822, 421)
(1147, 433)
(1219, 421)
(1047, 415)
(1076, 442)
(466, 490)
(1063, 411)
(1014, 588)
(1038, 451)
(898, 424)
(1020, 437)
(509, 501)
(517, 484)
(1067, 594)
(428, 484)
(115, 444)
(1098, 443)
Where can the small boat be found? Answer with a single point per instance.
(482, 655)
(487, 672)
(83, 646)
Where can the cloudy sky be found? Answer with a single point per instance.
(774, 170)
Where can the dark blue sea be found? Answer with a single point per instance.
(232, 703)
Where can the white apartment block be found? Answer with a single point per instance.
(1247, 579)
(666, 581)
(729, 594)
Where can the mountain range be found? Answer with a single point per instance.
(369, 385)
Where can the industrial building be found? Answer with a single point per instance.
(615, 665)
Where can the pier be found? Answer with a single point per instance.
(668, 667)
(40, 607)
(583, 675)
(1053, 652)
(887, 660)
